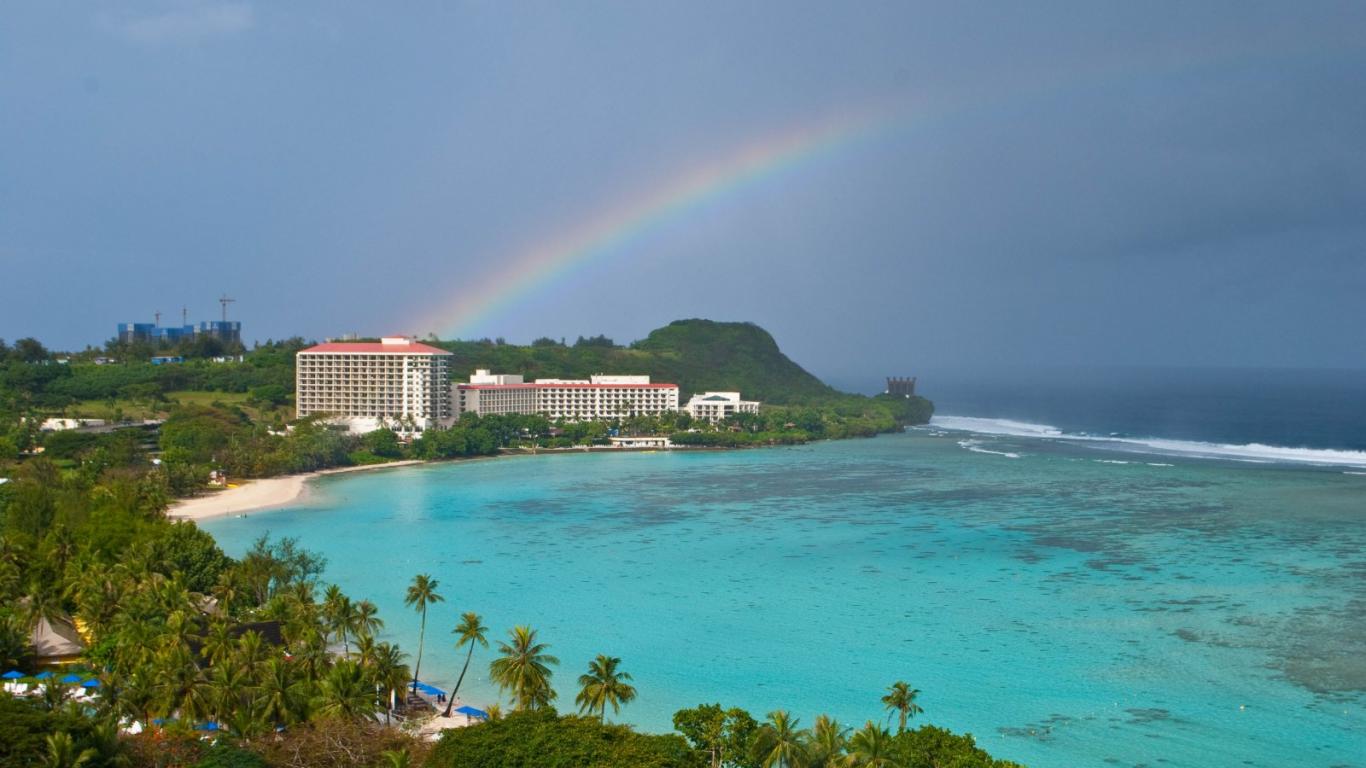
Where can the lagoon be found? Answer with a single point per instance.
(1067, 605)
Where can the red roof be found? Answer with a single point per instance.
(371, 348)
(659, 385)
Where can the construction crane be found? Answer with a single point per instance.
(225, 301)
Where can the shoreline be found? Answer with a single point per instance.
(263, 494)
(269, 493)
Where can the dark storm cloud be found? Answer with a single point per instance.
(1090, 182)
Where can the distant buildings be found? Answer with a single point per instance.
(604, 397)
(396, 383)
(61, 424)
(900, 386)
(716, 406)
(227, 331)
(404, 385)
(650, 442)
(596, 398)
(487, 394)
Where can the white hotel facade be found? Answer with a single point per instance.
(717, 406)
(396, 383)
(592, 399)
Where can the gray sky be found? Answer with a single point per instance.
(1147, 183)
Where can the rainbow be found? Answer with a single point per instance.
(526, 271)
(606, 233)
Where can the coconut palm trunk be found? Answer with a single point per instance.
(421, 593)
(451, 701)
(471, 631)
(421, 641)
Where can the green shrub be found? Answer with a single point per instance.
(545, 740)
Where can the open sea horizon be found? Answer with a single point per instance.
(1071, 592)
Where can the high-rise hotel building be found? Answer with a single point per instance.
(396, 383)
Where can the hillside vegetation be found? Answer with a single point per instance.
(697, 355)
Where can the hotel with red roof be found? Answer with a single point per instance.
(596, 398)
(396, 382)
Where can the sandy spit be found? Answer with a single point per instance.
(258, 495)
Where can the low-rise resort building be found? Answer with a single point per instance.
(716, 406)
(593, 399)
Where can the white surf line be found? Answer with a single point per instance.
(1258, 453)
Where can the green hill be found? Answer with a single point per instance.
(702, 355)
(698, 355)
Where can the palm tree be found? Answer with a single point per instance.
(524, 669)
(421, 593)
(336, 610)
(62, 752)
(472, 631)
(247, 721)
(309, 654)
(218, 642)
(54, 694)
(366, 621)
(871, 747)
(345, 693)
(395, 758)
(365, 651)
(604, 685)
(180, 685)
(779, 744)
(389, 672)
(109, 748)
(229, 687)
(283, 698)
(828, 738)
(901, 698)
(137, 696)
(251, 649)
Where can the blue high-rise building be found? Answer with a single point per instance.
(130, 333)
(229, 332)
(226, 331)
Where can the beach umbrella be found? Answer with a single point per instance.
(13, 674)
(206, 727)
(71, 679)
(469, 711)
(91, 683)
(430, 690)
(42, 675)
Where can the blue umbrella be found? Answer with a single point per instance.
(13, 674)
(430, 690)
(91, 683)
(160, 721)
(71, 679)
(207, 727)
(42, 675)
(469, 711)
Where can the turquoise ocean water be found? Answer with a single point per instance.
(1067, 603)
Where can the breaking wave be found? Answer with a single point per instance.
(976, 447)
(1249, 452)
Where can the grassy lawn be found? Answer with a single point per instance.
(143, 409)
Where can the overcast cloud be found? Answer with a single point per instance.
(1084, 182)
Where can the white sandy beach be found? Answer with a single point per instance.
(258, 495)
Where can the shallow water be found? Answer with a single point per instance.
(1065, 609)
